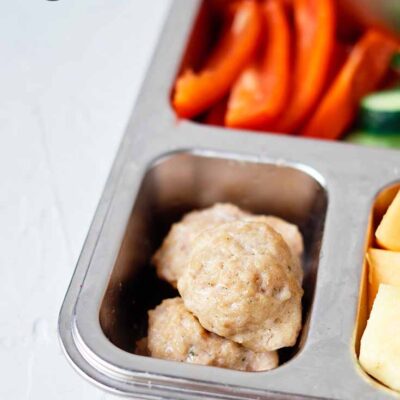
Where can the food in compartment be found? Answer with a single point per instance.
(380, 345)
(172, 257)
(291, 67)
(176, 334)
(380, 113)
(242, 283)
(289, 232)
(384, 267)
(197, 91)
(314, 48)
(261, 91)
(358, 76)
(388, 232)
(374, 139)
(240, 278)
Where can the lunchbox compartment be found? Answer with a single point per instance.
(379, 207)
(179, 183)
(354, 17)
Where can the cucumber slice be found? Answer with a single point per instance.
(374, 139)
(395, 61)
(380, 112)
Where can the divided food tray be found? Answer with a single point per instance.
(165, 168)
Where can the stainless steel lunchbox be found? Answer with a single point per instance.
(167, 167)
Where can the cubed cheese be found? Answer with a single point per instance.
(388, 231)
(380, 343)
(384, 267)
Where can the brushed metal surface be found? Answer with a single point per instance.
(295, 178)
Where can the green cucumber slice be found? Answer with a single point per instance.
(380, 112)
(374, 139)
(395, 61)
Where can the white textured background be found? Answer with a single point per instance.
(70, 71)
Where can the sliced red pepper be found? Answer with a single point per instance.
(216, 115)
(315, 23)
(197, 92)
(363, 71)
(260, 93)
(340, 54)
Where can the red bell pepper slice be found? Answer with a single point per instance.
(315, 23)
(216, 115)
(260, 93)
(197, 92)
(363, 71)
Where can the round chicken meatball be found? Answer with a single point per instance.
(172, 257)
(290, 234)
(241, 284)
(175, 334)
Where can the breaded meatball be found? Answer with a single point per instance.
(175, 334)
(172, 257)
(290, 234)
(241, 284)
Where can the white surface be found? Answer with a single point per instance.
(69, 74)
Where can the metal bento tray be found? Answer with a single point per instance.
(165, 168)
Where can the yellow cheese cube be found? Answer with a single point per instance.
(384, 267)
(383, 200)
(380, 343)
(388, 232)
